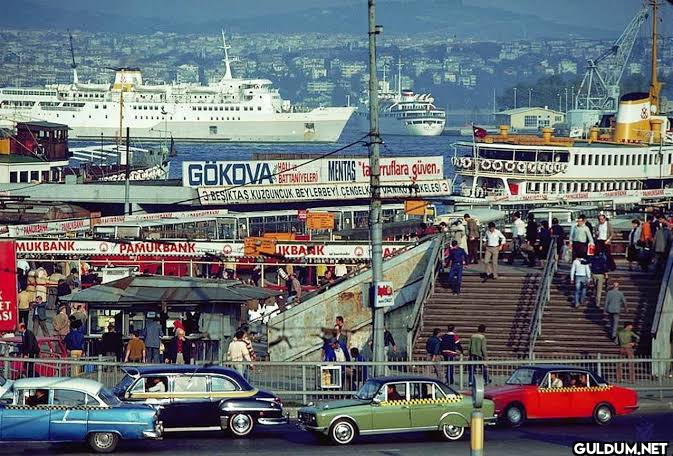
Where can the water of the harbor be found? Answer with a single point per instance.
(393, 146)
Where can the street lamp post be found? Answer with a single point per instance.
(530, 97)
(566, 92)
(559, 101)
(375, 223)
(514, 97)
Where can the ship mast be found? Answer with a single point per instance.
(120, 139)
(655, 85)
(226, 60)
(73, 65)
(399, 76)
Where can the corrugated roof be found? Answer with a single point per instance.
(169, 290)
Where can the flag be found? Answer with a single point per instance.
(479, 132)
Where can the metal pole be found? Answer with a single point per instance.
(514, 97)
(376, 229)
(530, 97)
(127, 189)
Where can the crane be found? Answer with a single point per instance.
(599, 89)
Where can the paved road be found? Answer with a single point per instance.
(536, 439)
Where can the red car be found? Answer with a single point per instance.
(545, 391)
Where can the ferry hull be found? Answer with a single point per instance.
(391, 126)
(319, 125)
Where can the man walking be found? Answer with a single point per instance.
(614, 302)
(580, 237)
(472, 239)
(29, 347)
(494, 243)
(450, 347)
(626, 339)
(599, 272)
(153, 333)
(662, 245)
(179, 349)
(604, 234)
(40, 315)
(518, 236)
(74, 342)
(238, 353)
(478, 353)
(136, 352)
(25, 298)
(61, 323)
(457, 258)
(433, 350)
(580, 275)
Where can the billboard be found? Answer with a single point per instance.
(8, 297)
(308, 172)
(263, 194)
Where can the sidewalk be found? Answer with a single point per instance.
(650, 401)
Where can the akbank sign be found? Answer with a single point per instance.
(298, 171)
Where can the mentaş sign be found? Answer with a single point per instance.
(304, 171)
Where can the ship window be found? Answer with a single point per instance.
(23, 176)
(104, 106)
(621, 160)
(651, 159)
(583, 159)
(12, 177)
(238, 108)
(669, 158)
(212, 130)
(577, 158)
(590, 159)
(259, 108)
(96, 106)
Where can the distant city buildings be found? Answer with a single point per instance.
(318, 69)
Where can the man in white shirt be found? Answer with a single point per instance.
(494, 243)
(518, 236)
(556, 382)
(340, 270)
(604, 234)
(580, 275)
(580, 237)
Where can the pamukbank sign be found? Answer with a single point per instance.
(87, 248)
(298, 171)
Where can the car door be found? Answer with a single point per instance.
(23, 421)
(426, 409)
(221, 388)
(584, 398)
(190, 403)
(393, 412)
(68, 416)
(555, 402)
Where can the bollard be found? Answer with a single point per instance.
(477, 418)
(477, 433)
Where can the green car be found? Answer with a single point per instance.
(386, 405)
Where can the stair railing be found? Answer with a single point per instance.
(427, 287)
(663, 320)
(542, 296)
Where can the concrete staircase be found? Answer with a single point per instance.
(505, 306)
(584, 331)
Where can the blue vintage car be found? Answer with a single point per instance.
(63, 409)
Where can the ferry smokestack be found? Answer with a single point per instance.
(633, 118)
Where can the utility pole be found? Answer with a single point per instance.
(375, 226)
(127, 183)
(514, 97)
(566, 92)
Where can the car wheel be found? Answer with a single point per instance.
(451, 432)
(514, 415)
(241, 424)
(103, 442)
(603, 414)
(342, 432)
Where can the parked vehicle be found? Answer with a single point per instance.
(196, 398)
(63, 409)
(386, 405)
(547, 391)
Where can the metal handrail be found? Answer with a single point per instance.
(665, 279)
(542, 296)
(426, 289)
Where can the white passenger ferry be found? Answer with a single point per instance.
(233, 109)
(403, 112)
(631, 160)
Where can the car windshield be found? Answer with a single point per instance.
(110, 399)
(123, 385)
(523, 376)
(368, 390)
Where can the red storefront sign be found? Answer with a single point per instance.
(8, 298)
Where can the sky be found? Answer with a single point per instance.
(608, 14)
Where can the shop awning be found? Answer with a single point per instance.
(172, 291)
